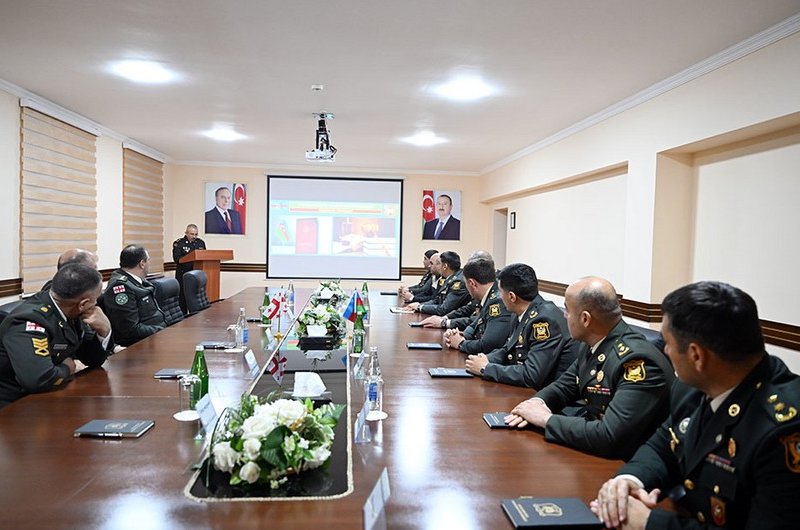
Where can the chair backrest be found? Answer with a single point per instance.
(168, 292)
(653, 336)
(194, 290)
(7, 308)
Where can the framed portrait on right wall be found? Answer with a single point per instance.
(441, 212)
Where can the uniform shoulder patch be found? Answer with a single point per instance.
(791, 443)
(176, 243)
(494, 310)
(622, 348)
(44, 309)
(541, 330)
(40, 347)
(634, 371)
(33, 326)
(121, 299)
(118, 289)
(456, 285)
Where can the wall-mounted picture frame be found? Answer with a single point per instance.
(225, 204)
(441, 213)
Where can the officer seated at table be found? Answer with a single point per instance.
(729, 453)
(622, 380)
(40, 339)
(129, 299)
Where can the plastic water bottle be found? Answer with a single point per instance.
(290, 296)
(374, 387)
(243, 336)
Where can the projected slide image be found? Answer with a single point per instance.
(364, 236)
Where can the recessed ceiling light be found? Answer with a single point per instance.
(464, 88)
(223, 134)
(424, 139)
(148, 72)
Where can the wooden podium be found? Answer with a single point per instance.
(208, 262)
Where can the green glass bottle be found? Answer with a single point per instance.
(358, 335)
(200, 369)
(264, 307)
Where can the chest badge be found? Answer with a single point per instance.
(731, 447)
(541, 330)
(600, 376)
(718, 511)
(683, 425)
(734, 410)
(601, 357)
(634, 371)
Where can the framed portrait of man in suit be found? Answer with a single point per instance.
(441, 214)
(226, 208)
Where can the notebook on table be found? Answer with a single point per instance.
(114, 428)
(449, 372)
(423, 346)
(553, 513)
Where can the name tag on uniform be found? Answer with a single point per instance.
(59, 347)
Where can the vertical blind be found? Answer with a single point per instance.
(58, 195)
(143, 205)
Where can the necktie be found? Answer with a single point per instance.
(228, 222)
(438, 230)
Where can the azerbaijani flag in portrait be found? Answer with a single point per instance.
(240, 203)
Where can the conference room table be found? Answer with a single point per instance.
(446, 468)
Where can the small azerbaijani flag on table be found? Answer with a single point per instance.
(354, 307)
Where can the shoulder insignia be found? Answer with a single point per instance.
(44, 309)
(121, 299)
(622, 348)
(533, 314)
(123, 278)
(176, 243)
(634, 371)
(441, 282)
(456, 285)
(118, 289)
(541, 330)
(494, 310)
(40, 347)
(790, 413)
(33, 326)
(792, 445)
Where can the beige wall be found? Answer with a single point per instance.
(109, 202)
(185, 186)
(9, 177)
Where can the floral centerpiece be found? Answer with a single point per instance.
(329, 292)
(265, 442)
(322, 315)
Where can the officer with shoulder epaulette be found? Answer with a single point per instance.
(729, 453)
(621, 380)
(180, 248)
(494, 323)
(431, 289)
(425, 284)
(129, 299)
(538, 349)
(453, 293)
(42, 336)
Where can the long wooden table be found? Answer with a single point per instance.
(447, 469)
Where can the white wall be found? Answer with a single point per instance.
(572, 232)
(747, 231)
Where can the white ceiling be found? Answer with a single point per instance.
(251, 63)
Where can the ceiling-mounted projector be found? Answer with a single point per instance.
(324, 151)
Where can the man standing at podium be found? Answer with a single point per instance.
(181, 247)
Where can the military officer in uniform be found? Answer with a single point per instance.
(729, 453)
(73, 255)
(431, 290)
(538, 349)
(452, 294)
(42, 337)
(494, 323)
(129, 299)
(180, 248)
(622, 380)
(425, 283)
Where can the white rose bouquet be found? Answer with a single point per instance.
(328, 292)
(322, 315)
(264, 442)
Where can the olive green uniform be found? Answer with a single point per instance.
(36, 339)
(738, 467)
(536, 352)
(452, 295)
(624, 386)
(180, 248)
(132, 308)
(492, 326)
